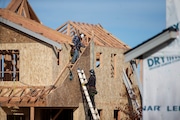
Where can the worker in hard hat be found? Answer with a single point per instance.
(91, 85)
(77, 45)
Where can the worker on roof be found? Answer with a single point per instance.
(77, 45)
(91, 85)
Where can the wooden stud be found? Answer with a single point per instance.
(31, 113)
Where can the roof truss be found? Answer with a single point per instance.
(24, 95)
(23, 8)
(96, 32)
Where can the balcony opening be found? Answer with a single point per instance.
(113, 65)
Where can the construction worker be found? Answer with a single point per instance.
(91, 85)
(77, 45)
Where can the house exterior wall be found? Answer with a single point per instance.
(38, 62)
(3, 114)
(68, 92)
(38, 66)
(111, 91)
(112, 95)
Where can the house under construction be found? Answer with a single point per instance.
(36, 82)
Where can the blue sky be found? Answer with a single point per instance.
(131, 21)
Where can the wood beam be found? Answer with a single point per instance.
(31, 113)
(24, 95)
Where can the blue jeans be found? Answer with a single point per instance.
(75, 56)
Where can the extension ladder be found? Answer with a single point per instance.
(84, 81)
(131, 93)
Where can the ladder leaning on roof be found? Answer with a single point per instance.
(92, 108)
(131, 93)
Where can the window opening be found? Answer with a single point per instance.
(58, 58)
(116, 115)
(98, 59)
(100, 113)
(9, 65)
(113, 65)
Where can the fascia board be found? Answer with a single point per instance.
(147, 46)
(29, 32)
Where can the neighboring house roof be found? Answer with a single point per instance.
(34, 26)
(23, 8)
(100, 36)
(151, 45)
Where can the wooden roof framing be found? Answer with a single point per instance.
(23, 8)
(24, 95)
(100, 35)
(19, 14)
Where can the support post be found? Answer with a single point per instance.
(119, 115)
(31, 113)
(92, 51)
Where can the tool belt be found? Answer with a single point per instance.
(92, 90)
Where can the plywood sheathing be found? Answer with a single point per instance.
(30, 75)
(68, 93)
(35, 56)
(35, 26)
(23, 8)
(112, 93)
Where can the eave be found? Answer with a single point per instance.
(29, 32)
(150, 44)
(36, 29)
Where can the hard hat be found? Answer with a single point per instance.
(82, 35)
(91, 71)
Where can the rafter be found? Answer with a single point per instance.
(101, 36)
(24, 95)
(23, 8)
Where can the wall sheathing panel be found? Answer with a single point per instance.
(2, 114)
(111, 91)
(38, 66)
(68, 92)
(37, 59)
